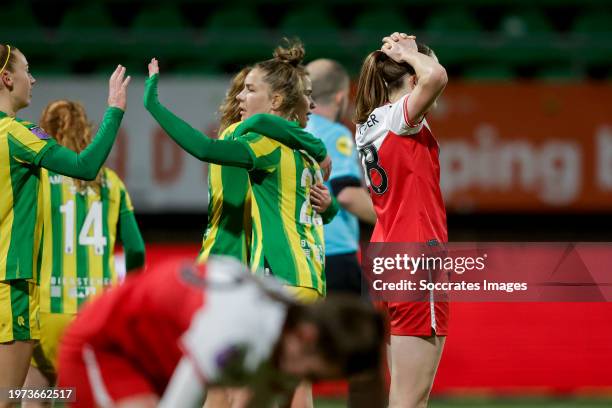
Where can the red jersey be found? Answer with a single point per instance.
(130, 340)
(402, 169)
(142, 319)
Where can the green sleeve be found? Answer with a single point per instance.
(194, 142)
(282, 130)
(133, 244)
(87, 164)
(331, 211)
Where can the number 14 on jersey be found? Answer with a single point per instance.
(91, 233)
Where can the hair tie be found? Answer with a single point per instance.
(8, 56)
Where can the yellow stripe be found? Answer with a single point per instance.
(264, 146)
(6, 313)
(6, 203)
(38, 228)
(288, 183)
(46, 265)
(257, 235)
(114, 207)
(94, 261)
(313, 229)
(216, 197)
(69, 272)
(28, 139)
(247, 219)
(34, 308)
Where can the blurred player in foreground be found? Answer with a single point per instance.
(24, 149)
(81, 220)
(179, 329)
(398, 85)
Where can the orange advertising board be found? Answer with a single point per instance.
(525, 146)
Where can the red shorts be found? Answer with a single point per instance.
(417, 318)
(94, 374)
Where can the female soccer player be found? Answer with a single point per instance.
(80, 224)
(398, 85)
(24, 149)
(229, 208)
(199, 323)
(287, 232)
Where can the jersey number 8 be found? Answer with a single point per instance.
(369, 158)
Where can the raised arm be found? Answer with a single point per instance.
(86, 164)
(194, 142)
(431, 76)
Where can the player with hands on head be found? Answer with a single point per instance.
(398, 86)
(25, 148)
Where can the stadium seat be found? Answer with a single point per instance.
(452, 21)
(372, 25)
(163, 17)
(593, 22)
(236, 35)
(593, 31)
(87, 31)
(164, 29)
(525, 22)
(528, 38)
(22, 30)
(317, 29)
(21, 17)
(454, 35)
(382, 22)
(241, 18)
(87, 17)
(308, 19)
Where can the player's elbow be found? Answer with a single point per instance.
(436, 78)
(89, 175)
(346, 199)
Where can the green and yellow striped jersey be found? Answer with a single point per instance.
(22, 146)
(287, 235)
(79, 233)
(229, 210)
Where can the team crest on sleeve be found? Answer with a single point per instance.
(344, 145)
(41, 134)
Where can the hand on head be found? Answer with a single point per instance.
(397, 44)
(117, 88)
